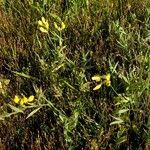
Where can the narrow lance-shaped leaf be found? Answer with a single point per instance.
(122, 111)
(116, 122)
(33, 112)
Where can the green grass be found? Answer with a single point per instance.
(57, 67)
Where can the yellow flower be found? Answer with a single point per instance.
(63, 25)
(108, 77)
(23, 100)
(31, 98)
(21, 103)
(96, 78)
(108, 83)
(59, 28)
(16, 99)
(97, 87)
(43, 25)
(107, 80)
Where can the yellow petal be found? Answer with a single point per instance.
(43, 30)
(21, 102)
(40, 23)
(16, 99)
(96, 78)
(97, 87)
(62, 26)
(108, 83)
(43, 20)
(1, 85)
(46, 25)
(31, 98)
(56, 26)
(108, 77)
(24, 100)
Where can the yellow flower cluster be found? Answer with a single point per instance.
(23, 100)
(105, 79)
(43, 25)
(59, 28)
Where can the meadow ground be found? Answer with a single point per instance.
(74, 74)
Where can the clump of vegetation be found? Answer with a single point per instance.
(74, 74)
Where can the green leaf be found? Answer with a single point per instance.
(122, 111)
(33, 112)
(58, 67)
(113, 68)
(15, 109)
(69, 85)
(121, 140)
(124, 78)
(62, 118)
(85, 87)
(116, 122)
(6, 115)
(1, 118)
(24, 75)
(55, 17)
